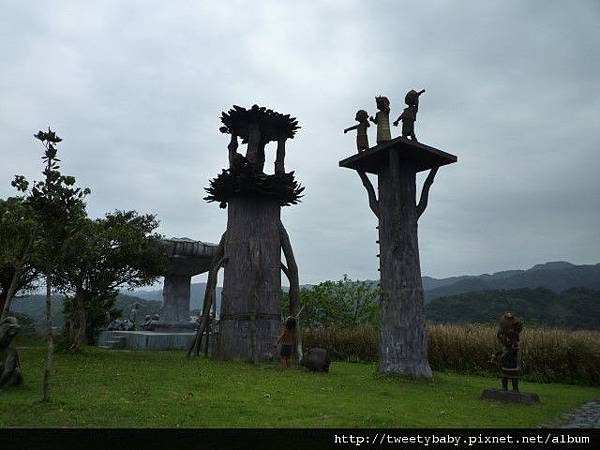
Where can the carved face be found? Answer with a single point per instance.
(383, 104)
(361, 115)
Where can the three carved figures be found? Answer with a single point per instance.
(382, 120)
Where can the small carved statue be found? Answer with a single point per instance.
(133, 314)
(127, 325)
(150, 322)
(147, 322)
(382, 119)
(509, 329)
(409, 115)
(362, 139)
(10, 368)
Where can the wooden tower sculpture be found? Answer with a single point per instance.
(250, 249)
(403, 338)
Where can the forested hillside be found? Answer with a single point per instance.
(576, 308)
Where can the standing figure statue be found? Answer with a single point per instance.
(509, 330)
(10, 369)
(133, 315)
(382, 119)
(409, 115)
(362, 139)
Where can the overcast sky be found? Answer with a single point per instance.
(135, 89)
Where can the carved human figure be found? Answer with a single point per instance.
(409, 115)
(287, 339)
(280, 158)
(509, 330)
(10, 368)
(133, 314)
(362, 139)
(382, 119)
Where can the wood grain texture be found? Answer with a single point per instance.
(252, 222)
(403, 338)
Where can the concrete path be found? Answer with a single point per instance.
(586, 416)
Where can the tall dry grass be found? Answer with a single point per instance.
(547, 355)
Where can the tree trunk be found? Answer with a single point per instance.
(50, 339)
(403, 338)
(251, 220)
(11, 290)
(78, 332)
(208, 325)
(209, 297)
(14, 282)
(292, 274)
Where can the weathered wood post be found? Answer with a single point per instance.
(250, 249)
(403, 338)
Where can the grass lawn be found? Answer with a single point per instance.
(101, 388)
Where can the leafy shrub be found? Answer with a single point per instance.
(343, 303)
(26, 323)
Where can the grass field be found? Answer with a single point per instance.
(101, 388)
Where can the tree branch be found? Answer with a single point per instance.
(211, 284)
(373, 203)
(425, 192)
(284, 269)
(291, 272)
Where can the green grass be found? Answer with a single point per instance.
(100, 388)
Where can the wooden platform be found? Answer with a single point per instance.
(500, 395)
(375, 158)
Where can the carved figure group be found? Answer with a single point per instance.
(121, 325)
(257, 127)
(382, 120)
(150, 321)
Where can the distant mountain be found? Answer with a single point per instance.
(575, 309)
(556, 276)
(35, 307)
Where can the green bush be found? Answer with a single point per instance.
(547, 355)
(342, 303)
(26, 323)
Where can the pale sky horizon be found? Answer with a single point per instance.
(136, 90)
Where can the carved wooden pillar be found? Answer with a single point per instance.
(252, 224)
(403, 337)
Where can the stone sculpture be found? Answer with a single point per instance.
(133, 314)
(186, 258)
(316, 360)
(10, 368)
